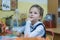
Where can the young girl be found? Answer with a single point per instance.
(34, 27)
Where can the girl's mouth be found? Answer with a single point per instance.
(31, 17)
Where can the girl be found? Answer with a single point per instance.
(34, 27)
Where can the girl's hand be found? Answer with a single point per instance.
(28, 19)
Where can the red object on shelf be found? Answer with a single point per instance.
(49, 24)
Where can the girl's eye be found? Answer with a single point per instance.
(35, 13)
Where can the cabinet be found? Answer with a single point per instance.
(52, 8)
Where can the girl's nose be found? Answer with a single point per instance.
(32, 14)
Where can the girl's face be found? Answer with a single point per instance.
(34, 14)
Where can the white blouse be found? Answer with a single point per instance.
(39, 31)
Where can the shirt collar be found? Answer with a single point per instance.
(33, 26)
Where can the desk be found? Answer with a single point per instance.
(56, 32)
(18, 38)
(30, 39)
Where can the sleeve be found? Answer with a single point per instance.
(39, 31)
(27, 28)
(19, 29)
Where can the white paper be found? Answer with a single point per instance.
(6, 5)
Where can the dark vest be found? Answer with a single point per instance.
(43, 27)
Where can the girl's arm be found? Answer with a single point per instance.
(27, 28)
(19, 29)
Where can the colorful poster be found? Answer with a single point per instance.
(6, 5)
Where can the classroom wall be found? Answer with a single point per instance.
(23, 7)
(4, 14)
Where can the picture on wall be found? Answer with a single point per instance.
(8, 4)
(14, 4)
